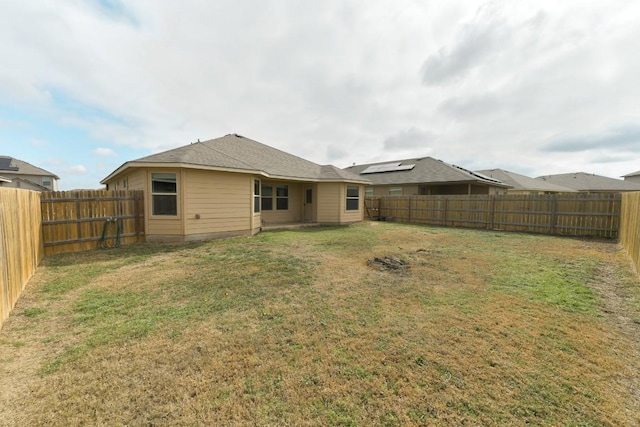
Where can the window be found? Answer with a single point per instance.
(256, 195)
(125, 183)
(267, 197)
(353, 197)
(395, 191)
(46, 181)
(282, 197)
(368, 192)
(164, 194)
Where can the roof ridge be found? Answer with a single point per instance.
(225, 154)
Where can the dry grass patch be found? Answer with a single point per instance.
(296, 328)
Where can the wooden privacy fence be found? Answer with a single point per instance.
(20, 244)
(630, 226)
(81, 220)
(596, 215)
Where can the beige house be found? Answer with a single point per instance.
(424, 176)
(632, 177)
(522, 184)
(233, 186)
(16, 173)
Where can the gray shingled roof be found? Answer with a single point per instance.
(13, 166)
(426, 170)
(236, 152)
(636, 173)
(523, 182)
(590, 182)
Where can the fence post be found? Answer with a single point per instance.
(492, 213)
(409, 208)
(446, 200)
(554, 214)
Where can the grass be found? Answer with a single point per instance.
(296, 328)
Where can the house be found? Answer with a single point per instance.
(424, 176)
(632, 177)
(4, 181)
(522, 184)
(20, 174)
(234, 186)
(591, 183)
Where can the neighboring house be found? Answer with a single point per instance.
(591, 183)
(522, 184)
(20, 174)
(4, 180)
(424, 176)
(233, 186)
(632, 177)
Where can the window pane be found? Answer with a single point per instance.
(256, 187)
(282, 204)
(267, 203)
(309, 196)
(163, 183)
(165, 205)
(256, 204)
(267, 190)
(352, 204)
(283, 191)
(353, 191)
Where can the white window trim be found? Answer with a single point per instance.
(156, 216)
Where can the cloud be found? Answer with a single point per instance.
(76, 170)
(620, 138)
(410, 139)
(485, 38)
(104, 152)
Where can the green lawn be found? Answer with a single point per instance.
(298, 327)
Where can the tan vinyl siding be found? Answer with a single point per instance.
(329, 202)
(136, 180)
(222, 200)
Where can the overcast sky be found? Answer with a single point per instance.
(534, 87)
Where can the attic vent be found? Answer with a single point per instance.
(387, 167)
(5, 164)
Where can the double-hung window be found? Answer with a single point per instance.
(353, 197)
(164, 194)
(282, 197)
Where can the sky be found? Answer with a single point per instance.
(533, 87)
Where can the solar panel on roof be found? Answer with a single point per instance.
(387, 167)
(5, 164)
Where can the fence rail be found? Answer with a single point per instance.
(20, 244)
(596, 215)
(79, 220)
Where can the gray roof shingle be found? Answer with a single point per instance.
(523, 182)
(12, 166)
(426, 170)
(236, 152)
(590, 182)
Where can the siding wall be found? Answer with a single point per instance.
(351, 216)
(222, 200)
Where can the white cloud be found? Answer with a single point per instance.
(474, 82)
(76, 170)
(104, 152)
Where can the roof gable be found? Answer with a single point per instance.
(235, 152)
(590, 182)
(12, 166)
(523, 182)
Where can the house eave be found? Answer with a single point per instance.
(151, 165)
